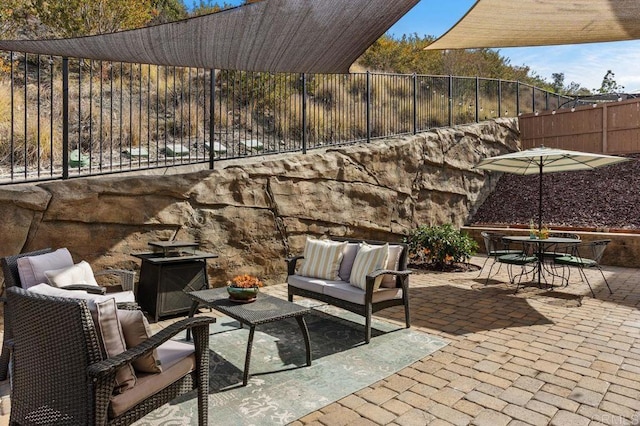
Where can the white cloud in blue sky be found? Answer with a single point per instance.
(585, 64)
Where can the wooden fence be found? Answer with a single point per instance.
(607, 128)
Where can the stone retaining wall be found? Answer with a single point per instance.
(255, 211)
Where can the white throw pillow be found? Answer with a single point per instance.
(322, 259)
(31, 268)
(80, 273)
(369, 258)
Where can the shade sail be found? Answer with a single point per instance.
(313, 36)
(513, 23)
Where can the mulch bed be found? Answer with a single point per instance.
(607, 197)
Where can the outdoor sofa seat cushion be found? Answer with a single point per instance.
(312, 284)
(352, 294)
(342, 290)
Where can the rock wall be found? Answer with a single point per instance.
(253, 212)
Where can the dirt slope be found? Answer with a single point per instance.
(608, 197)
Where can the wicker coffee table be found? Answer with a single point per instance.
(263, 310)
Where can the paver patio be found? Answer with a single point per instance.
(537, 357)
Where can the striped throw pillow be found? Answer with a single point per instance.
(369, 258)
(322, 259)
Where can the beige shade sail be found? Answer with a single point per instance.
(513, 23)
(312, 36)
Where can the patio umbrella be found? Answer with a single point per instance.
(546, 160)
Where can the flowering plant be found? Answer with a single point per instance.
(245, 281)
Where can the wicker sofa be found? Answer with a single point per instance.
(382, 288)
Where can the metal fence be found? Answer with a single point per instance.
(63, 117)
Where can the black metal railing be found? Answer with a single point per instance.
(67, 117)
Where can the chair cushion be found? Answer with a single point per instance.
(575, 261)
(393, 263)
(122, 296)
(322, 259)
(517, 259)
(149, 384)
(348, 256)
(136, 330)
(368, 259)
(80, 273)
(31, 268)
(172, 351)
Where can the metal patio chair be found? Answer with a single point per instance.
(586, 255)
(495, 246)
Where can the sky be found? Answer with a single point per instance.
(585, 64)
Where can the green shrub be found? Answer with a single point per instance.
(439, 247)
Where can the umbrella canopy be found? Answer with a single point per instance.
(546, 160)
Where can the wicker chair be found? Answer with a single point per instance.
(60, 375)
(12, 279)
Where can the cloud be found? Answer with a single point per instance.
(586, 64)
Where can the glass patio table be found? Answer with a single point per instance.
(540, 246)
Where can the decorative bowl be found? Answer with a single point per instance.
(242, 293)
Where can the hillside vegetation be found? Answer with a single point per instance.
(405, 55)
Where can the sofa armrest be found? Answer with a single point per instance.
(291, 264)
(126, 278)
(110, 365)
(379, 272)
(91, 289)
(371, 278)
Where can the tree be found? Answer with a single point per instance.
(70, 18)
(609, 85)
(168, 11)
(557, 82)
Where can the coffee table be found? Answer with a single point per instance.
(263, 310)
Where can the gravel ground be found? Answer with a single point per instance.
(602, 198)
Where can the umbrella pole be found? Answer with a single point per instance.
(540, 200)
(540, 225)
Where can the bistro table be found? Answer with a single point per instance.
(264, 309)
(541, 246)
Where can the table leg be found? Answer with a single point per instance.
(305, 333)
(247, 359)
(192, 312)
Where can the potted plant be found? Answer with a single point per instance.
(243, 288)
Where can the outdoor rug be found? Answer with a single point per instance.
(281, 387)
